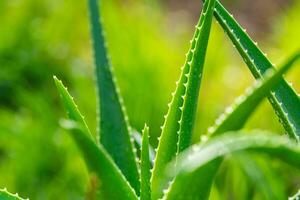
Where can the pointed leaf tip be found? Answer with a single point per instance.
(145, 166)
(113, 126)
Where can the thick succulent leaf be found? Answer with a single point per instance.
(234, 119)
(283, 98)
(145, 166)
(113, 124)
(296, 196)
(138, 142)
(113, 183)
(193, 84)
(236, 115)
(5, 195)
(71, 107)
(190, 162)
(168, 141)
(95, 155)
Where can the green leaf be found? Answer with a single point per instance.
(145, 166)
(113, 124)
(113, 183)
(233, 119)
(283, 98)
(5, 195)
(236, 115)
(96, 157)
(71, 107)
(296, 196)
(198, 157)
(138, 142)
(189, 79)
(193, 84)
(262, 180)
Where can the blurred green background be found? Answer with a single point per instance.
(147, 40)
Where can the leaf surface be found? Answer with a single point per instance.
(145, 166)
(199, 157)
(189, 80)
(283, 98)
(70, 105)
(113, 121)
(234, 118)
(96, 157)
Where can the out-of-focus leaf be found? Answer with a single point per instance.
(296, 196)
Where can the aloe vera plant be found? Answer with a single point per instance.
(181, 170)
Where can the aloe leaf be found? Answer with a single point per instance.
(5, 195)
(233, 119)
(138, 142)
(145, 166)
(95, 155)
(113, 124)
(190, 162)
(71, 107)
(236, 115)
(193, 84)
(168, 141)
(296, 196)
(283, 98)
(113, 183)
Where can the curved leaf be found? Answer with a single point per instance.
(236, 115)
(196, 158)
(145, 166)
(5, 195)
(70, 105)
(283, 98)
(192, 69)
(113, 124)
(113, 183)
(95, 155)
(234, 119)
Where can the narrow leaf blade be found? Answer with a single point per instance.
(145, 166)
(113, 124)
(284, 99)
(138, 142)
(71, 107)
(113, 183)
(237, 114)
(168, 142)
(95, 156)
(194, 80)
